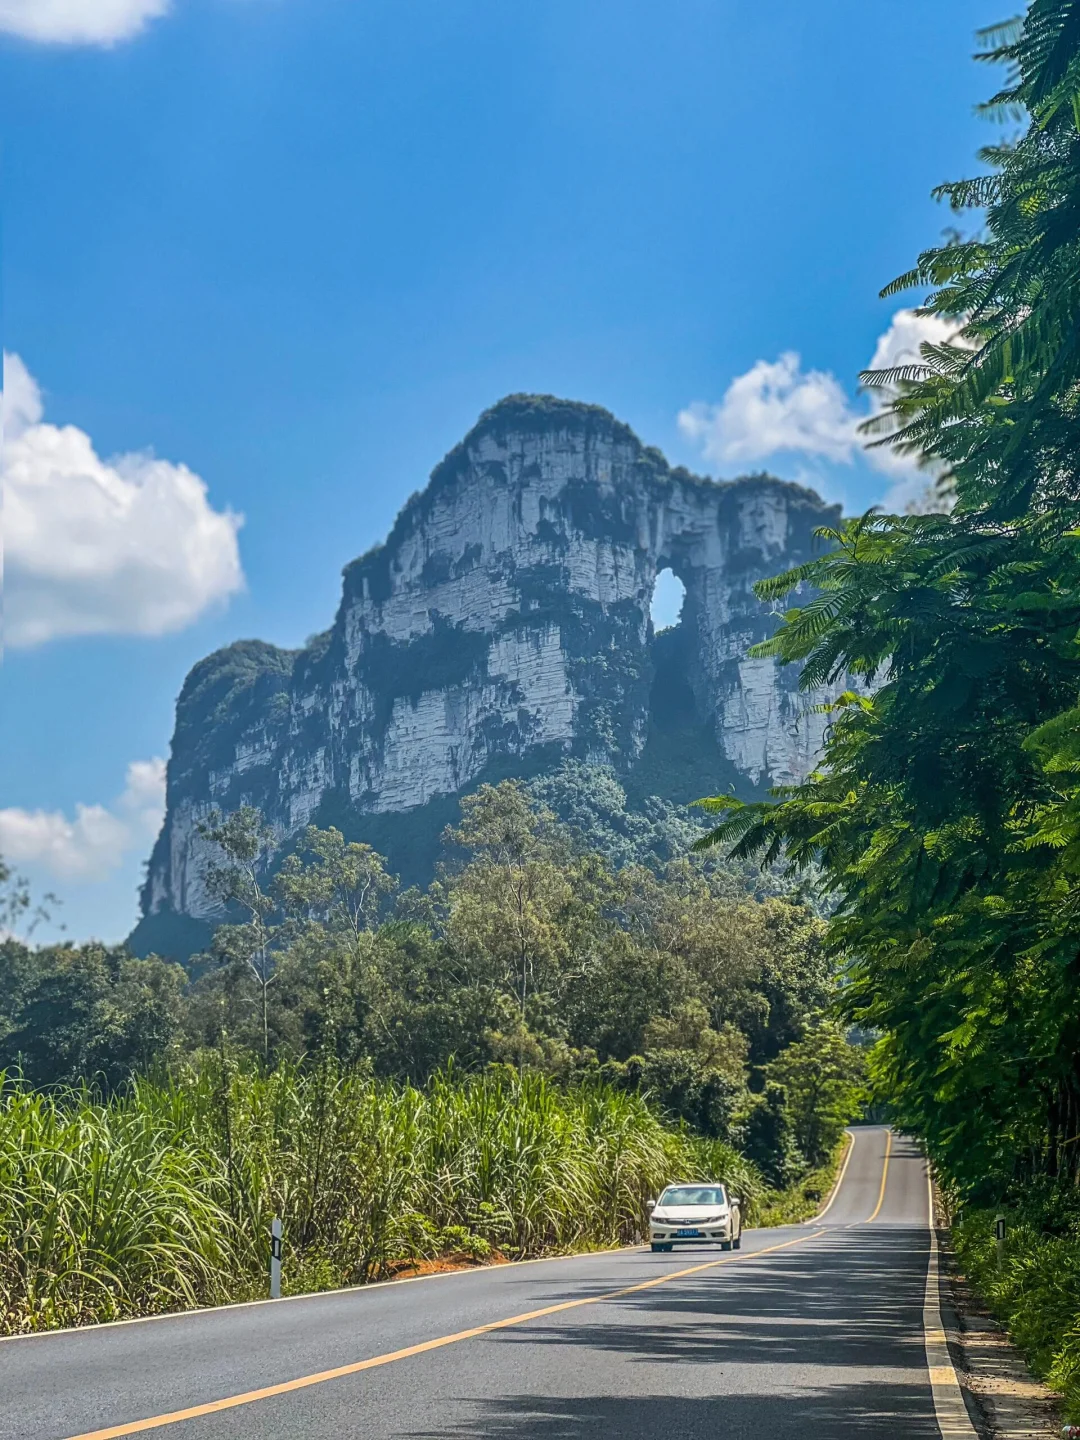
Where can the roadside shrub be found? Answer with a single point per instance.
(1036, 1293)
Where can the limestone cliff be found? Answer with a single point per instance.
(502, 626)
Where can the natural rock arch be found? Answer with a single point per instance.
(504, 623)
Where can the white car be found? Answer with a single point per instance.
(695, 1215)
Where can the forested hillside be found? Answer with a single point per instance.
(511, 1060)
(530, 949)
(946, 810)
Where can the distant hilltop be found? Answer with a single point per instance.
(502, 627)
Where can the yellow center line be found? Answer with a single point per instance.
(884, 1177)
(248, 1397)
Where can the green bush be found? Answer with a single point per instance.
(1036, 1291)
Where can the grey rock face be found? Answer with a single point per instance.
(503, 624)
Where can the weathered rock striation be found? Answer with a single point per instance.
(505, 625)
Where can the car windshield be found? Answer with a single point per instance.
(694, 1195)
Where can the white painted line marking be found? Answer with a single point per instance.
(839, 1181)
(949, 1408)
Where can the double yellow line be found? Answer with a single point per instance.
(248, 1397)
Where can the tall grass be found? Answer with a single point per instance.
(162, 1198)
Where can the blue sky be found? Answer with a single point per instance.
(281, 253)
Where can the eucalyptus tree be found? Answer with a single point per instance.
(331, 895)
(515, 908)
(19, 911)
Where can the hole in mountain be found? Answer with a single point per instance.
(669, 592)
(671, 699)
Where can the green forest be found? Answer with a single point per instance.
(513, 1060)
(945, 813)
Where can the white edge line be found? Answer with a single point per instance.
(363, 1288)
(340, 1290)
(839, 1181)
(949, 1408)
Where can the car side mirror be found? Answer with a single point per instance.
(650, 1204)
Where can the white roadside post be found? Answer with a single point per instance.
(275, 1259)
(999, 1235)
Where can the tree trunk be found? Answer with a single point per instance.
(265, 1010)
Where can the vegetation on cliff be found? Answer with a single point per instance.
(502, 628)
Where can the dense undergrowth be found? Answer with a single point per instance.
(1036, 1291)
(161, 1198)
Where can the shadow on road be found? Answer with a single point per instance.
(840, 1413)
(821, 1343)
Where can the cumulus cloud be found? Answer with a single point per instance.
(778, 407)
(94, 841)
(127, 546)
(775, 406)
(78, 22)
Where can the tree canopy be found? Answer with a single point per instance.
(945, 811)
(529, 950)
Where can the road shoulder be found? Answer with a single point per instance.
(1005, 1400)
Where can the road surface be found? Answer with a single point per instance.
(811, 1331)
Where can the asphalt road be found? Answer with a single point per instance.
(810, 1331)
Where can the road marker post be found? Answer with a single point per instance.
(275, 1259)
(999, 1236)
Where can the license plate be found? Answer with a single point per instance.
(691, 1233)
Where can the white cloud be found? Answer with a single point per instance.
(94, 842)
(907, 332)
(778, 407)
(912, 486)
(78, 22)
(775, 406)
(127, 546)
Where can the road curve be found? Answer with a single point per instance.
(815, 1332)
